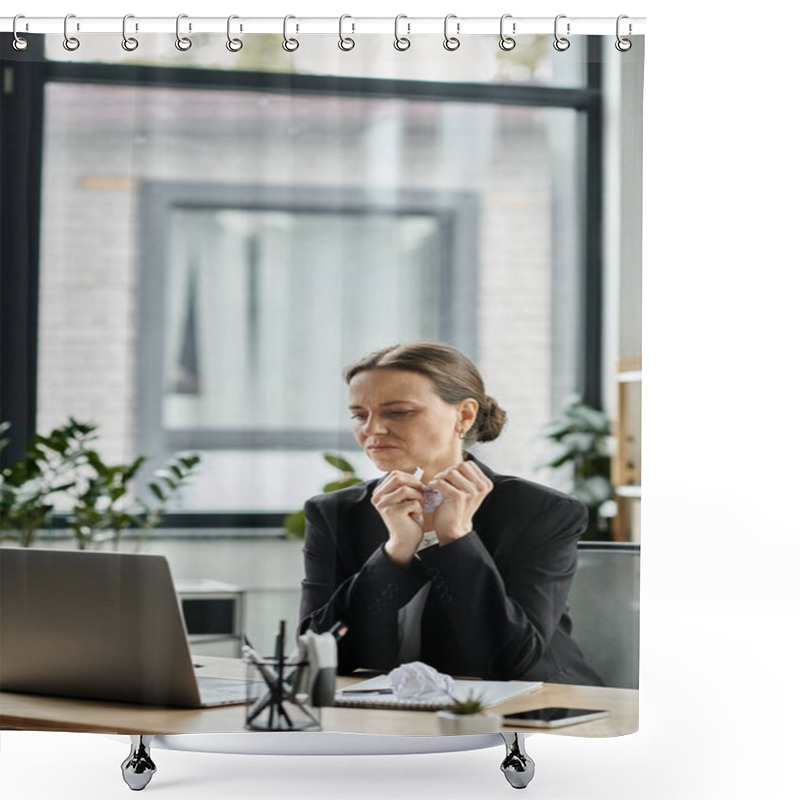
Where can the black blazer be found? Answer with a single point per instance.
(497, 608)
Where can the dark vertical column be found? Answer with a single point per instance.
(593, 257)
(21, 118)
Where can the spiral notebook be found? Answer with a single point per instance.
(376, 693)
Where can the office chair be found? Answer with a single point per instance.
(604, 607)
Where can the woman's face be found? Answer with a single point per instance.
(402, 423)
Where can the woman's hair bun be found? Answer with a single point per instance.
(490, 421)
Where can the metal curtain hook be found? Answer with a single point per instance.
(401, 42)
(506, 42)
(70, 42)
(561, 44)
(182, 42)
(451, 42)
(129, 43)
(234, 45)
(19, 43)
(289, 45)
(345, 42)
(623, 45)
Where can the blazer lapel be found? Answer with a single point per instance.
(482, 511)
(368, 522)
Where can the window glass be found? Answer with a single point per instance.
(212, 260)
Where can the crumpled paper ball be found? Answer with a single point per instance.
(417, 679)
(432, 497)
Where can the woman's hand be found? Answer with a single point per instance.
(398, 499)
(463, 489)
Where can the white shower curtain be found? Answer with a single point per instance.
(221, 233)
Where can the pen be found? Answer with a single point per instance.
(279, 648)
(367, 691)
(273, 696)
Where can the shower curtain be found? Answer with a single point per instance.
(207, 230)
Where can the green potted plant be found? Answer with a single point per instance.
(63, 470)
(295, 523)
(468, 715)
(580, 437)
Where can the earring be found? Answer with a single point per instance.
(461, 434)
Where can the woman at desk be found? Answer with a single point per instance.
(441, 560)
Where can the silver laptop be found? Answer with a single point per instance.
(104, 626)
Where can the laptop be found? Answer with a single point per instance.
(102, 626)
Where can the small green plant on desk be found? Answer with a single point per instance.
(471, 704)
(295, 523)
(468, 716)
(63, 469)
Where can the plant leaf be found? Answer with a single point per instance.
(342, 483)
(295, 524)
(557, 455)
(339, 462)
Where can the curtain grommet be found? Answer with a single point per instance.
(623, 45)
(346, 43)
(560, 43)
(70, 43)
(233, 44)
(507, 43)
(183, 43)
(289, 44)
(129, 43)
(451, 43)
(401, 43)
(18, 43)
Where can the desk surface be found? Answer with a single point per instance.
(40, 713)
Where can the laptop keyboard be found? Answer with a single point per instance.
(219, 690)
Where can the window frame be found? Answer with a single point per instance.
(457, 216)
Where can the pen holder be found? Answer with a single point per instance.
(284, 694)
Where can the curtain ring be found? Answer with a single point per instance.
(129, 43)
(451, 42)
(183, 43)
(234, 45)
(70, 42)
(19, 43)
(289, 45)
(506, 42)
(561, 43)
(345, 42)
(401, 43)
(623, 45)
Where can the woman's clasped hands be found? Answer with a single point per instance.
(400, 499)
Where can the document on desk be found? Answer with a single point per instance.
(377, 693)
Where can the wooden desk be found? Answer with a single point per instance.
(39, 713)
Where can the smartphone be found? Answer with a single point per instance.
(553, 717)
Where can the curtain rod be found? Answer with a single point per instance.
(406, 26)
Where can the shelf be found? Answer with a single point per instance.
(626, 465)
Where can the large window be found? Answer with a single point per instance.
(214, 253)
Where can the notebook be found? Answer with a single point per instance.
(491, 692)
(103, 626)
